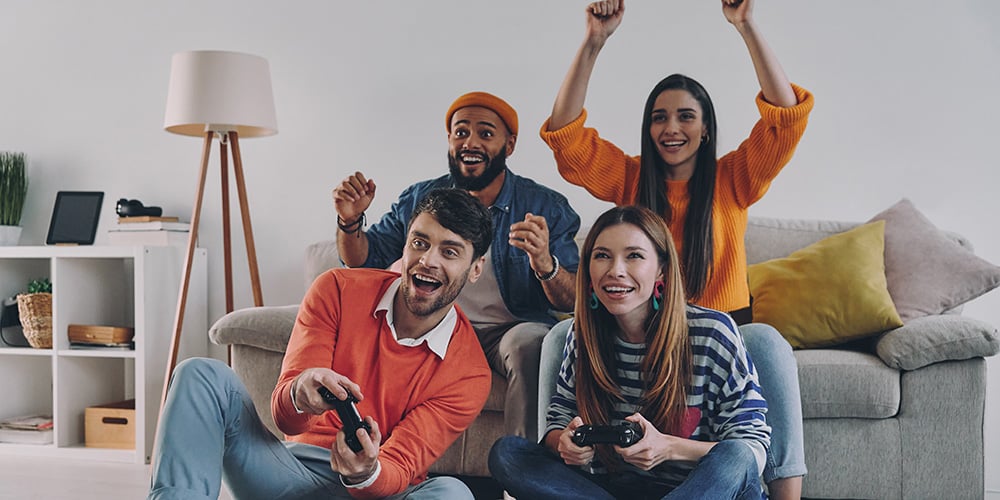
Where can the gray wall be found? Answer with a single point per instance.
(906, 103)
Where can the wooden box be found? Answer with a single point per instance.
(97, 334)
(110, 425)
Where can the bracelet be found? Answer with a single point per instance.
(551, 275)
(354, 227)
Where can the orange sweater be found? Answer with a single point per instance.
(420, 401)
(743, 176)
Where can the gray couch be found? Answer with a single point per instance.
(899, 418)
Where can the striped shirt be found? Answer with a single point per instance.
(723, 389)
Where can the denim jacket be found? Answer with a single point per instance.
(520, 289)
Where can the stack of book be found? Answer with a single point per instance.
(151, 231)
(32, 429)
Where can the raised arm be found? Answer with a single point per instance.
(351, 198)
(773, 81)
(602, 19)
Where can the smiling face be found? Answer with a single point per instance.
(436, 264)
(478, 146)
(624, 268)
(677, 128)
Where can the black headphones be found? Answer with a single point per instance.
(134, 208)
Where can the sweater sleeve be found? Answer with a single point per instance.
(595, 164)
(750, 169)
(562, 407)
(311, 344)
(739, 403)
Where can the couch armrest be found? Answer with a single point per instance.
(931, 339)
(263, 327)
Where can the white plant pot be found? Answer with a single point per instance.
(9, 235)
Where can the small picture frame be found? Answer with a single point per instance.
(75, 217)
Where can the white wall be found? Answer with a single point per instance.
(906, 103)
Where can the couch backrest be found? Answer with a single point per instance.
(772, 238)
(320, 256)
(766, 238)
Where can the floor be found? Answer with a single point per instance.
(59, 479)
(47, 478)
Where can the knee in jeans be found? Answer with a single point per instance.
(198, 368)
(737, 452)
(764, 338)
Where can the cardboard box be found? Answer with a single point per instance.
(110, 425)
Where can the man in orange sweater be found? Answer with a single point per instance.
(395, 342)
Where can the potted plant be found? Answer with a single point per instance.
(13, 191)
(35, 310)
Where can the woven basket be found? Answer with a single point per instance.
(35, 310)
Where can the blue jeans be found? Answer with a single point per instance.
(529, 470)
(209, 430)
(777, 373)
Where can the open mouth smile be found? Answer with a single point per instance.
(425, 284)
(472, 157)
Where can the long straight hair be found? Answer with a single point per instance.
(667, 366)
(698, 242)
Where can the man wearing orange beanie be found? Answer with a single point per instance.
(530, 269)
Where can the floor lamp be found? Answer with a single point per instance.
(224, 95)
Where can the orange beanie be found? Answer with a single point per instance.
(488, 101)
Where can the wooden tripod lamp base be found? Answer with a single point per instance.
(228, 140)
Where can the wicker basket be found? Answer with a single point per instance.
(35, 310)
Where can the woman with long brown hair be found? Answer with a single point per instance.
(637, 352)
(703, 197)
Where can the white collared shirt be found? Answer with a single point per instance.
(437, 338)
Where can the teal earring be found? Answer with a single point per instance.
(657, 295)
(594, 304)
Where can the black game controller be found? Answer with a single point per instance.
(624, 434)
(349, 415)
(135, 208)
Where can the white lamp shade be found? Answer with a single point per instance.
(219, 91)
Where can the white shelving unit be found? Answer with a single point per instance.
(99, 285)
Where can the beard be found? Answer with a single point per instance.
(494, 167)
(449, 292)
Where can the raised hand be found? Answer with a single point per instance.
(737, 12)
(603, 18)
(353, 196)
(532, 236)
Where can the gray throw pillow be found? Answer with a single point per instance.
(926, 271)
(932, 339)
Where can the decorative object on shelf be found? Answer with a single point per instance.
(100, 335)
(75, 217)
(13, 191)
(134, 208)
(31, 429)
(11, 333)
(35, 310)
(110, 425)
(157, 231)
(226, 95)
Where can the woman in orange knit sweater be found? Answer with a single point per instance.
(704, 199)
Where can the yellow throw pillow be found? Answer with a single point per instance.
(830, 292)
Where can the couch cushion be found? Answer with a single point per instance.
(927, 271)
(830, 292)
(771, 238)
(320, 256)
(845, 384)
(936, 338)
(266, 327)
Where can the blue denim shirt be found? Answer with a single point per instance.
(520, 289)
